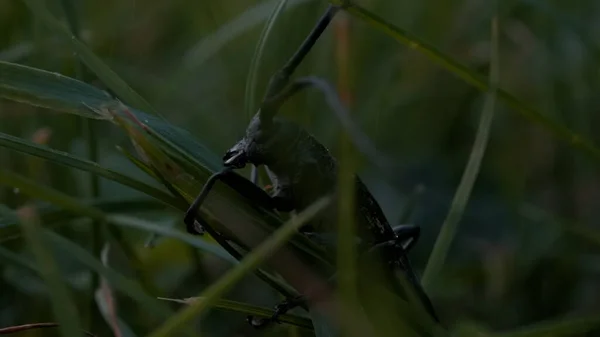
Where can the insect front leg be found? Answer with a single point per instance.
(238, 183)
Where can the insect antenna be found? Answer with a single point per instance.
(280, 79)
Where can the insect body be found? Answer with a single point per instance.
(302, 170)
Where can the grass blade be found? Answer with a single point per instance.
(558, 130)
(249, 263)
(461, 197)
(252, 78)
(577, 326)
(64, 308)
(93, 62)
(128, 287)
(68, 160)
(51, 90)
(248, 309)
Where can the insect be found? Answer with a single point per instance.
(308, 174)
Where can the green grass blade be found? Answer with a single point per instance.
(558, 130)
(35, 190)
(68, 160)
(52, 216)
(64, 308)
(132, 222)
(128, 287)
(463, 192)
(51, 90)
(251, 80)
(249, 263)
(249, 309)
(17, 260)
(93, 62)
(576, 326)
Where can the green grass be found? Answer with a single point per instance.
(171, 86)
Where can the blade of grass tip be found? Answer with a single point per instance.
(235, 306)
(64, 308)
(463, 192)
(251, 80)
(248, 264)
(93, 62)
(92, 148)
(556, 129)
(68, 160)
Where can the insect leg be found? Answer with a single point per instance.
(280, 309)
(240, 184)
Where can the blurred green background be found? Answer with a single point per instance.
(528, 243)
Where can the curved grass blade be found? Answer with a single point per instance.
(64, 308)
(249, 309)
(250, 262)
(93, 62)
(250, 95)
(461, 197)
(558, 130)
(68, 160)
(211, 45)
